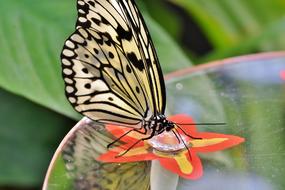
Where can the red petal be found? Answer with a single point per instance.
(118, 131)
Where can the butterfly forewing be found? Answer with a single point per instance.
(110, 67)
(96, 83)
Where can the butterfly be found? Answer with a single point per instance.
(111, 70)
(112, 75)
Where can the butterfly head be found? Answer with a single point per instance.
(168, 125)
(164, 124)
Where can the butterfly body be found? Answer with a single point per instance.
(159, 124)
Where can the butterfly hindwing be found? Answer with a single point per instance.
(110, 67)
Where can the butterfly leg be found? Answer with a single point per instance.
(136, 130)
(178, 136)
(109, 145)
(142, 139)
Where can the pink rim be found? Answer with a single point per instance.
(233, 60)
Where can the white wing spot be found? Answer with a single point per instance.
(72, 100)
(69, 44)
(77, 38)
(68, 53)
(81, 3)
(66, 62)
(81, 11)
(68, 80)
(82, 19)
(69, 89)
(67, 71)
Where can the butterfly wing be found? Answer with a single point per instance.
(110, 67)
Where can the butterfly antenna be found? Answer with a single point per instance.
(192, 137)
(201, 123)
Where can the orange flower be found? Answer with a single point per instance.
(171, 152)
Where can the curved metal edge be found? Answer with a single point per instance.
(226, 61)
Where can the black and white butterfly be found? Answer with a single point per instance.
(111, 70)
(112, 76)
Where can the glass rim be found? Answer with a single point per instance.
(222, 62)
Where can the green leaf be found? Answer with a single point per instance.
(29, 135)
(239, 27)
(59, 174)
(32, 34)
(166, 17)
(273, 32)
(170, 55)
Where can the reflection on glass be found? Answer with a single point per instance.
(247, 93)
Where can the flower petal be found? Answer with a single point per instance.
(215, 142)
(185, 165)
(137, 153)
(185, 122)
(207, 142)
(119, 131)
(182, 165)
(112, 157)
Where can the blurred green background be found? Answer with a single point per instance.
(35, 114)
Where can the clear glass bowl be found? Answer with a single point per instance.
(247, 93)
